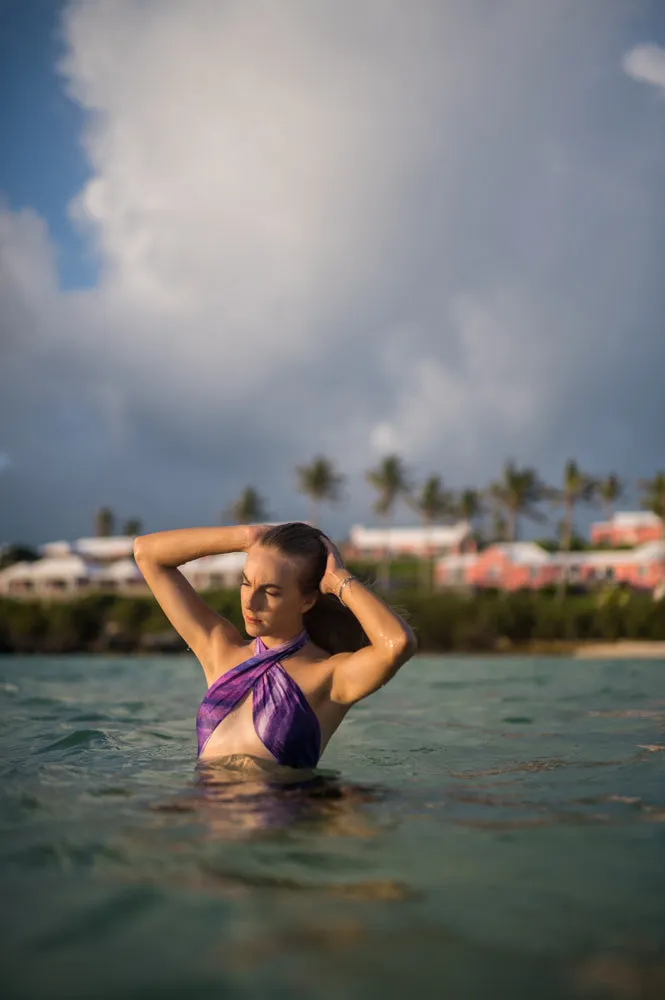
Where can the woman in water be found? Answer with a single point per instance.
(320, 640)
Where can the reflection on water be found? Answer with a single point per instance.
(617, 977)
(242, 797)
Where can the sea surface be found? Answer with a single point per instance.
(479, 828)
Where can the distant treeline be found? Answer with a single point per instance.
(488, 621)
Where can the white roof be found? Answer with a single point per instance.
(599, 558)
(223, 562)
(122, 570)
(437, 534)
(626, 517)
(522, 553)
(649, 551)
(457, 561)
(631, 519)
(56, 567)
(55, 548)
(15, 571)
(528, 553)
(113, 547)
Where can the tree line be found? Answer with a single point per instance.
(495, 512)
(517, 493)
(445, 621)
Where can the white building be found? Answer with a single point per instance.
(437, 539)
(90, 564)
(96, 550)
(222, 570)
(53, 576)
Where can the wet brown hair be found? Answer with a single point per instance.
(329, 624)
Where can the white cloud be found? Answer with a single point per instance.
(647, 64)
(350, 228)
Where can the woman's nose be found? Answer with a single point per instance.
(253, 602)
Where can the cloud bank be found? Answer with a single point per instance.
(435, 227)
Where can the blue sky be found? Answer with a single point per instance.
(43, 164)
(236, 236)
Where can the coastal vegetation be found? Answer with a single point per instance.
(447, 620)
(444, 621)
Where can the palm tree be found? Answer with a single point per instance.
(653, 494)
(433, 503)
(515, 494)
(132, 527)
(469, 505)
(610, 489)
(104, 522)
(577, 487)
(389, 479)
(321, 483)
(499, 525)
(249, 508)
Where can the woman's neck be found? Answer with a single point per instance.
(275, 641)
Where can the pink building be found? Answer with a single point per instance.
(510, 566)
(628, 528)
(525, 565)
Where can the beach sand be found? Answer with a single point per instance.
(623, 649)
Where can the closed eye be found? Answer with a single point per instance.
(270, 589)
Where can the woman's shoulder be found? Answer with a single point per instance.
(314, 654)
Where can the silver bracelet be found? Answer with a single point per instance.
(347, 579)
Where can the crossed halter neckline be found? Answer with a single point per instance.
(284, 720)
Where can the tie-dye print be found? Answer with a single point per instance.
(283, 719)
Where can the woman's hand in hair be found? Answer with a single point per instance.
(335, 570)
(255, 532)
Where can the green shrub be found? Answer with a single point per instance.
(443, 621)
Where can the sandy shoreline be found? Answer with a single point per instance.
(622, 649)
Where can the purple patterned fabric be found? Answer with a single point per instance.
(283, 719)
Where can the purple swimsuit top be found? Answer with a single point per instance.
(283, 718)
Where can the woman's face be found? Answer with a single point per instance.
(270, 596)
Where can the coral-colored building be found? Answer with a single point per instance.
(628, 528)
(519, 565)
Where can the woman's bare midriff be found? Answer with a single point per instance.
(236, 735)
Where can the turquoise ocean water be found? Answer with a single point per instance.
(479, 828)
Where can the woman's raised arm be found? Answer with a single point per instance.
(210, 636)
(392, 640)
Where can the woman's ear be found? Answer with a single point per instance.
(308, 603)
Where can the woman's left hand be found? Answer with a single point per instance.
(335, 569)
